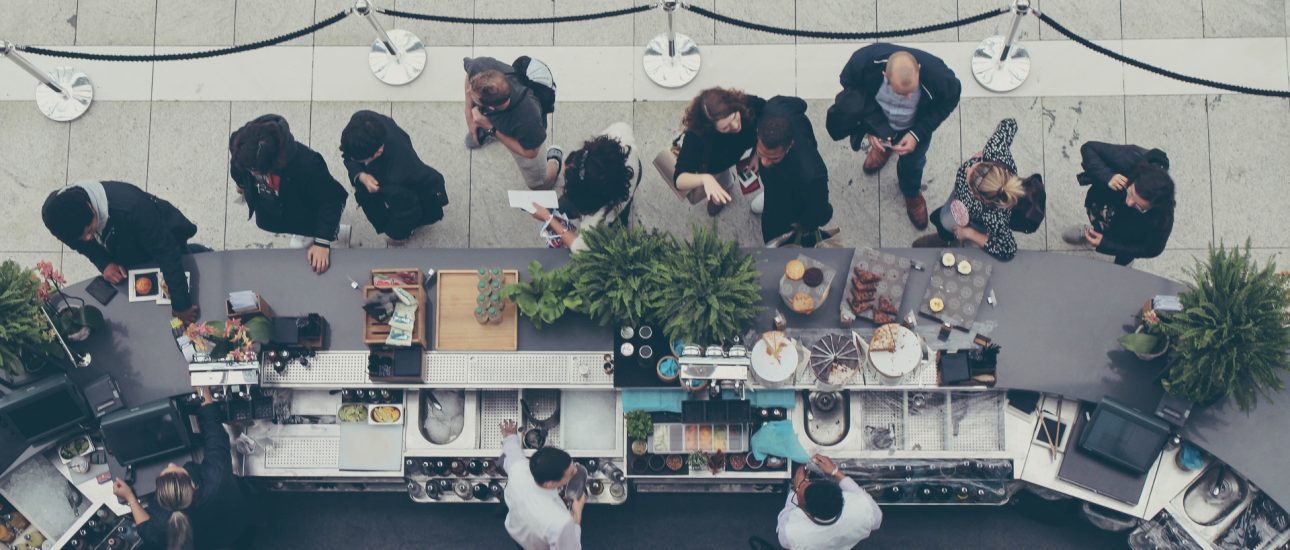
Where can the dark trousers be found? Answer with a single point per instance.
(945, 234)
(909, 167)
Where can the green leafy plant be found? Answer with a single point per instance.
(709, 290)
(1141, 342)
(616, 276)
(1231, 337)
(26, 336)
(698, 460)
(545, 297)
(639, 425)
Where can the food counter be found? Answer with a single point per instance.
(1055, 316)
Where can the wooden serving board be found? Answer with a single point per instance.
(455, 326)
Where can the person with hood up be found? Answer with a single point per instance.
(396, 190)
(287, 187)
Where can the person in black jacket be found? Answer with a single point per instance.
(198, 506)
(1130, 201)
(795, 178)
(720, 126)
(286, 185)
(117, 225)
(897, 97)
(396, 191)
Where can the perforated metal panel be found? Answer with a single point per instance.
(884, 410)
(517, 369)
(327, 368)
(925, 425)
(297, 453)
(447, 368)
(494, 407)
(976, 420)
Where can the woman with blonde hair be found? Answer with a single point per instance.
(987, 188)
(720, 125)
(198, 506)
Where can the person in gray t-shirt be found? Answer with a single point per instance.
(500, 106)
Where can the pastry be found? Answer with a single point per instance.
(802, 303)
(947, 259)
(867, 276)
(775, 342)
(885, 306)
(858, 307)
(884, 339)
(813, 277)
(882, 318)
(936, 305)
(965, 267)
(863, 295)
(861, 285)
(794, 269)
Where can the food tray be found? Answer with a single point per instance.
(895, 275)
(374, 333)
(371, 412)
(687, 438)
(788, 287)
(962, 294)
(455, 326)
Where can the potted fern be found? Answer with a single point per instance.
(709, 290)
(616, 277)
(1230, 339)
(545, 297)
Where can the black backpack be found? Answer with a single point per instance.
(540, 80)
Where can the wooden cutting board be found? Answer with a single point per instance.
(455, 326)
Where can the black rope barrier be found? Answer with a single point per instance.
(516, 21)
(1154, 69)
(189, 55)
(847, 35)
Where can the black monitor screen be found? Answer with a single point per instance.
(34, 418)
(141, 437)
(1125, 437)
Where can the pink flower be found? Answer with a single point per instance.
(42, 293)
(1150, 317)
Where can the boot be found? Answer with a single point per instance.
(916, 208)
(877, 158)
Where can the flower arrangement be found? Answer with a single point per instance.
(74, 319)
(231, 340)
(1149, 340)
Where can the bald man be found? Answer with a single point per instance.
(894, 98)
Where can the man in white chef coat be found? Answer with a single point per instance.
(826, 514)
(538, 518)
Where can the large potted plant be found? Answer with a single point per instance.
(27, 340)
(708, 290)
(75, 319)
(545, 297)
(616, 277)
(1232, 336)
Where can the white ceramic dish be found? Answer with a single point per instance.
(771, 370)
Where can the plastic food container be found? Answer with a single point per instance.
(384, 415)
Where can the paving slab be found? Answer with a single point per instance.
(831, 15)
(1243, 18)
(654, 22)
(1249, 175)
(1069, 122)
(51, 22)
(351, 31)
(27, 260)
(115, 22)
(111, 143)
(196, 22)
(1163, 19)
(434, 33)
(853, 195)
(436, 130)
(998, 25)
(262, 19)
(514, 35)
(614, 31)
(76, 267)
(32, 167)
(949, 144)
(778, 13)
(1092, 19)
(326, 120)
(898, 14)
(188, 163)
(239, 231)
(1172, 124)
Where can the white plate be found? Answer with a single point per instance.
(908, 354)
(770, 370)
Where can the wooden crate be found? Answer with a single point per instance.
(374, 333)
(455, 326)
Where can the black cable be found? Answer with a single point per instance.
(847, 35)
(189, 55)
(515, 21)
(1152, 68)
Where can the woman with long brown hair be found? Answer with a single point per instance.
(198, 506)
(720, 125)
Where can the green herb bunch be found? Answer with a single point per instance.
(546, 296)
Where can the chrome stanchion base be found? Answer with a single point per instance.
(80, 93)
(671, 71)
(392, 70)
(996, 76)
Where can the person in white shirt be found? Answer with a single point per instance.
(538, 518)
(826, 514)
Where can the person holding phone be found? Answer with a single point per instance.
(501, 106)
(117, 225)
(893, 99)
(537, 517)
(1130, 201)
(829, 513)
(200, 505)
(600, 181)
(720, 127)
(795, 178)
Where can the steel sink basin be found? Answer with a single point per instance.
(827, 419)
(1214, 496)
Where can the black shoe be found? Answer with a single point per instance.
(714, 208)
(857, 141)
(195, 248)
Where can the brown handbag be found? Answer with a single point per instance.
(665, 163)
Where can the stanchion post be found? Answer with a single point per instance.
(1002, 63)
(671, 60)
(62, 95)
(397, 56)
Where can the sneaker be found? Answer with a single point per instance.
(916, 209)
(930, 241)
(555, 153)
(858, 142)
(343, 235)
(758, 203)
(396, 243)
(473, 142)
(1074, 235)
(300, 241)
